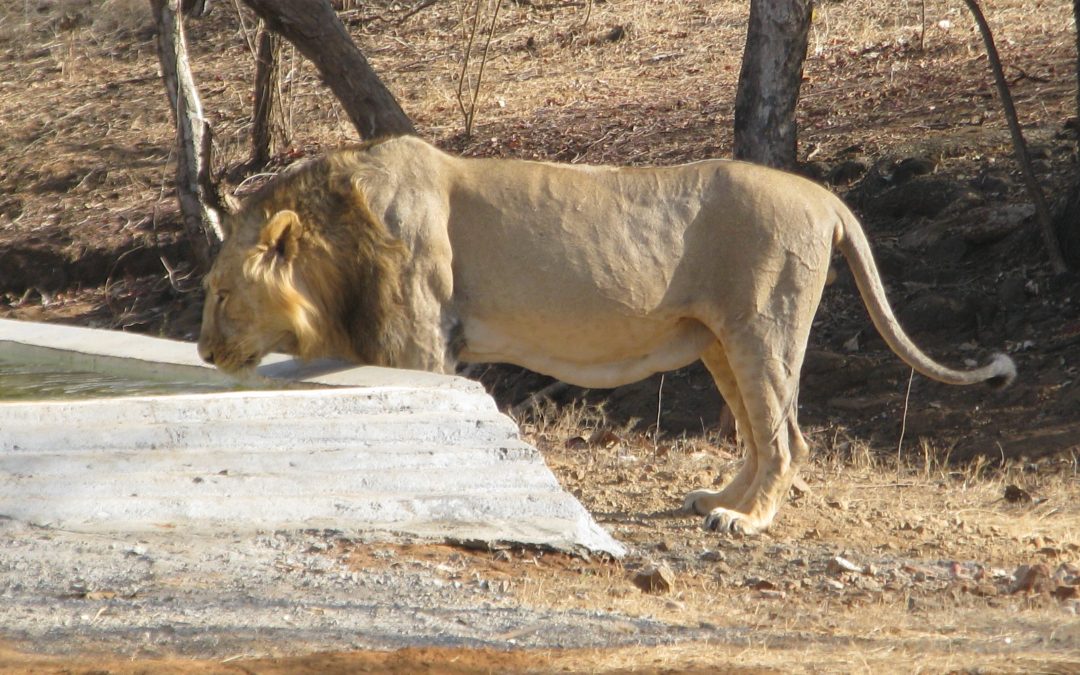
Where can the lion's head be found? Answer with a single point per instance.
(306, 269)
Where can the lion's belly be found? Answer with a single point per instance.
(595, 352)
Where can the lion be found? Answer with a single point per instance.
(395, 253)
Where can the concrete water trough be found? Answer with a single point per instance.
(302, 446)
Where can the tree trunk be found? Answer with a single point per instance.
(776, 40)
(1076, 30)
(318, 33)
(268, 45)
(198, 197)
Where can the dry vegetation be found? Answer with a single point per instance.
(89, 234)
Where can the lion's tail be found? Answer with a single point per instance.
(851, 240)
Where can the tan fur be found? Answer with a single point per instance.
(398, 254)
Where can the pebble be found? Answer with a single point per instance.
(838, 565)
(655, 579)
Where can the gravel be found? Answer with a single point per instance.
(219, 595)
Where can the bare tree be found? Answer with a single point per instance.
(769, 82)
(267, 50)
(196, 192)
(316, 30)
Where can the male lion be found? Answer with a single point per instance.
(395, 253)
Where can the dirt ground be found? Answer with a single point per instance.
(941, 531)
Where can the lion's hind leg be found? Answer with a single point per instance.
(767, 383)
(703, 502)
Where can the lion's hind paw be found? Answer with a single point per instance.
(702, 502)
(730, 522)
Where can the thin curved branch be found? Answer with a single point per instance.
(1042, 211)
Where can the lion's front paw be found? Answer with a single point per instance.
(731, 522)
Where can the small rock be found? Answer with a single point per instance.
(1015, 494)
(604, 438)
(1068, 573)
(759, 584)
(832, 584)
(615, 34)
(576, 443)
(800, 487)
(1067, 592)
(1031, 579)
(655, 579)
(838, 565)
(847, 171)
(713, 556)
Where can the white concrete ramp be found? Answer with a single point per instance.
(416, 454)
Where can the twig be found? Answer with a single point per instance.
(903, 422)
(922, 29)
(354, 18)
(470, 113)
(423, 5)
(659, 400)
(244, 28)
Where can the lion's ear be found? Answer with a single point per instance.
(230, 207)
(281, 235)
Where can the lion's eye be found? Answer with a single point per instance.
(222, 296)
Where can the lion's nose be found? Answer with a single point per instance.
(206, 354)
